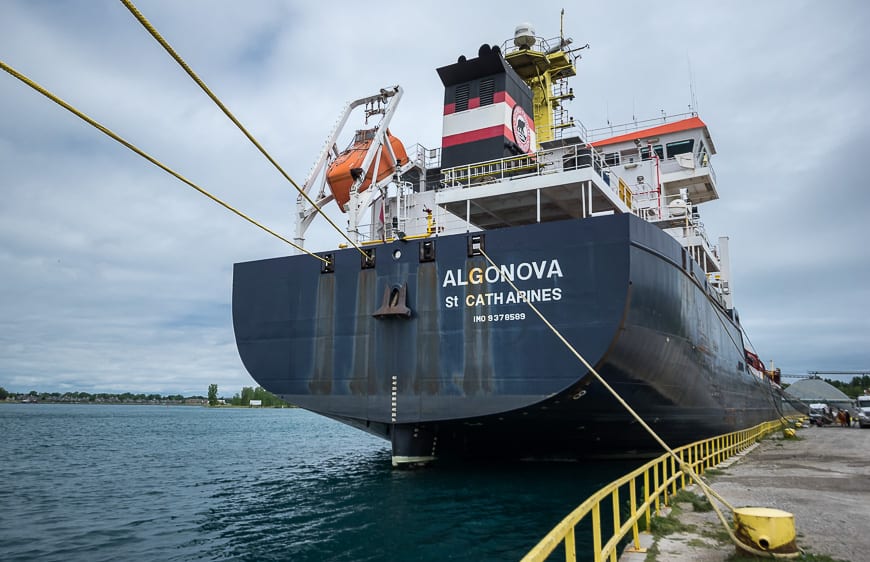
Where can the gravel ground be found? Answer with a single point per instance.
(823, 478)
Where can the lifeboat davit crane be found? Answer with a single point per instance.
(352, 172)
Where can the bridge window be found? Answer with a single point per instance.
(611, 159)
(645, 153)
(680, 147)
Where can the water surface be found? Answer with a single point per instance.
(93, 482)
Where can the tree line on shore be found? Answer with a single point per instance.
(101, 397)
(243, 398)
(852, 389)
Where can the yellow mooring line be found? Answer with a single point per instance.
(147, 156)
(166, 46)
(685, 467)
(660, 481)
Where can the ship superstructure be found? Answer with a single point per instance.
(416, 337)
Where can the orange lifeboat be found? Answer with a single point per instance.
(346, 168)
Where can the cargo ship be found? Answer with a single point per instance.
(417, 327)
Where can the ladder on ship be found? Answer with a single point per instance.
(561, 119)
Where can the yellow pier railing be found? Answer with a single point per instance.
(647, 488)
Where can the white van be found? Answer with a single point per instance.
(820, 414)
(864, 410)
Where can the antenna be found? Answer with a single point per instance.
(693, 101)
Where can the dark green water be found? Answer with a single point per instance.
(89, 483)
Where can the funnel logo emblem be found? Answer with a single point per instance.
(521, 129)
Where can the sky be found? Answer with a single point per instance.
(116, 277)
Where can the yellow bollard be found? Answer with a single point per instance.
(770, 530)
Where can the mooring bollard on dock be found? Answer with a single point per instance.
(767, 529)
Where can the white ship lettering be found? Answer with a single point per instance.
(545, 269)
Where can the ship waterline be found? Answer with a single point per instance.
(492, 380)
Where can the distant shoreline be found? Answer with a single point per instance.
(248, 397)
(105, 403)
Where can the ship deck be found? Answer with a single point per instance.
(560, 183)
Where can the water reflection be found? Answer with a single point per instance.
(157, 483)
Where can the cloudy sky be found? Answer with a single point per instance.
(115, 276)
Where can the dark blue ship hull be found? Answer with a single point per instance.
(472, 372)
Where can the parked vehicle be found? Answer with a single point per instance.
(821, 415)
(864, 410)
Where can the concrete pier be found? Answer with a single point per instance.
(822, 477)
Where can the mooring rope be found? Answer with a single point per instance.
(147, 156)
(684, 466)
(777, 407)
(168, 48)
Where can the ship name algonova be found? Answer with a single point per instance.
(525, 271)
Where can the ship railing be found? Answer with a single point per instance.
(717, 287)
(425, 158)
(653, 206)
(543, 45)
(482, 173)
(693, 234)
(560, 159)
(648, 489)
(412, 226)
(700, 231)
(600, 133)
(672, 164)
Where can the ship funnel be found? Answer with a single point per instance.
(524, 36)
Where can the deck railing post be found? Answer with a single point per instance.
(570, 546)
(596, 533)
(682, 472)
(646, 498)
(616, 518)
(632, 498)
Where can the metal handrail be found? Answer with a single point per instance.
(608, 131)
(660, 477)
(568, 158)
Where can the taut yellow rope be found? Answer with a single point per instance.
(154, 33)
(685, 467)
(145, 155)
